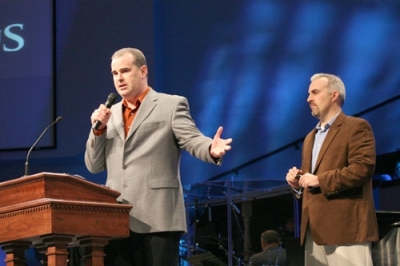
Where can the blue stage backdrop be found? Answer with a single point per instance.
(246, 65)
(26, 71)
(243, 65)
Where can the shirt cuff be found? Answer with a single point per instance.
(99, 132)
(297, 192)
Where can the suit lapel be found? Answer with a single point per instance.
(146, 107)
(119, 120)
(308, 145)
(333, 131)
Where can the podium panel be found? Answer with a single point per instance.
(55, 211)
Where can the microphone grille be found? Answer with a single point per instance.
(111, 98)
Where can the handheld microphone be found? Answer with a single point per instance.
(110, 101)
(34, 144)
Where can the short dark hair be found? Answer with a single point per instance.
(138, 56)
(270, 237)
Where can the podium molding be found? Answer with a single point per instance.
(53, 211)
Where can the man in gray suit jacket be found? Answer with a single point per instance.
(139, 144)
(272, 253)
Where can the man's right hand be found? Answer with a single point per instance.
(102, 114)
(291, 177)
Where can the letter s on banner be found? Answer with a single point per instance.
(15, 37)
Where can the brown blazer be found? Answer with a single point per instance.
(341, 210)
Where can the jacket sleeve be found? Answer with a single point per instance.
(95, 160)
(188, 135)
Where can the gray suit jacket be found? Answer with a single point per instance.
(275, 256)
(144, 166)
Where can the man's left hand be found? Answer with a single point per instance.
(220, 146)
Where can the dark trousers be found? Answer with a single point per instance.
(153, 249)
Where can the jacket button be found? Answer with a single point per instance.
(124, 167)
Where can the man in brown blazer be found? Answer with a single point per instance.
(338, 220)
(139, 143)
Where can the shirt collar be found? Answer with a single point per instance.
(139, 99)
(328, 125)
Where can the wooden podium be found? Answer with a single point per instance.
(53, 211)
